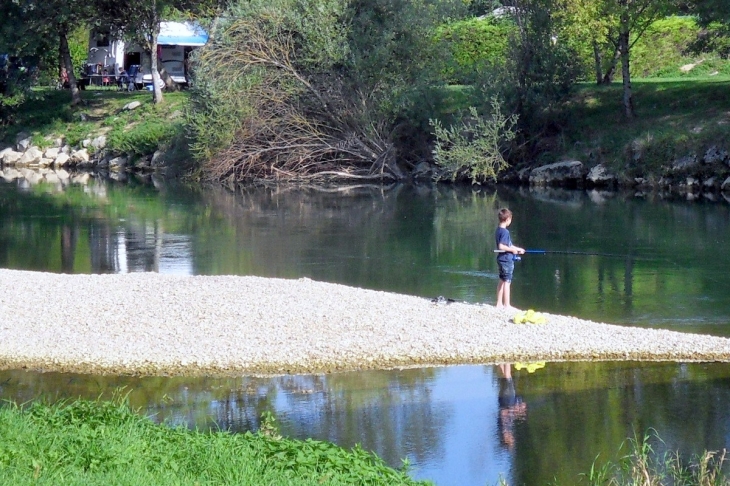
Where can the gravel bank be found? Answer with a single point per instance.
(145, 323)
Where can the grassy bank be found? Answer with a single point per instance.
(88, 443)
(676, 117)
(47, 114)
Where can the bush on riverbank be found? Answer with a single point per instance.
(88, 443)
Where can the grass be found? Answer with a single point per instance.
(47, 114)
(676, 117)
(105, 443)
(642, 466)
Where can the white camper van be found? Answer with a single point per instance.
(175, 42)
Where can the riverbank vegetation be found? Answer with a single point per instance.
(383, 90)
(641, 464)
(89, 442)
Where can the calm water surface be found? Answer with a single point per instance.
(649, 262)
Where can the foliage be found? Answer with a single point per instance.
(537, 78)
(475, 41)
(664, 46)
(47, 114)
(676, 118)
(88, 442)
(473, 146)
(303, 88)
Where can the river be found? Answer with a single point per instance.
(612, 257)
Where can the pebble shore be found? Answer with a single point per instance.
(152, 324)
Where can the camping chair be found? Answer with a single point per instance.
(131, 77)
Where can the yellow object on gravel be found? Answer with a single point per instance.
(529, 317)
(530, 367)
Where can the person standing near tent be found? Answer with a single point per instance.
(505, 258)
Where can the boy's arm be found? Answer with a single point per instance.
(511, 249)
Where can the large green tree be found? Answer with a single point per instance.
(33, 27)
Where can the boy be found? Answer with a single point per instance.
(505, 259)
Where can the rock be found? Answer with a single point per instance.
(711, 183)
(52, 152)
(685, 163)
(84, 117)
(23, 141)
(31, 176)
(31, 157)
(421, 171)
(715, 155)
(52, 178)
(523, 175)
(62, 174)
(10, 174)
(99, 142)
(11, 157)
(81, 178)
(691, 183)
(61, 160)
(118, 176)
(560, 173)
(86, 142)
(118, 163)
(600, 176)
(131, 106)
(158, 159)
(80, 156)
(44, 162)
(725, 185)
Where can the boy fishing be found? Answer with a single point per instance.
(505, 258)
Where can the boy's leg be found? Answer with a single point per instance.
(500, 293)
(505, 296)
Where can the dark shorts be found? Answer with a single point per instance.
(505, 270)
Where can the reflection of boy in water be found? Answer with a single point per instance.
(511, 407)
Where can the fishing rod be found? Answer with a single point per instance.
(567, 252)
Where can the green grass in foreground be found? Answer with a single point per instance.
(105, 443)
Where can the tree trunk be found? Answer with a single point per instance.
(156, 89)
(623, 44)
(611, 71)
(65, 54)
(598, 59)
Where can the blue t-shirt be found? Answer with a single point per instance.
(502, 236)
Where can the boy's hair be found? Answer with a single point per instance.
(504, 214)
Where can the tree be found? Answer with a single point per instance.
(37, 24)
(618, 24)
(318, 88)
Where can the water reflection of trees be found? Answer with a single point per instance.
(581, 410)
(390, 412)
